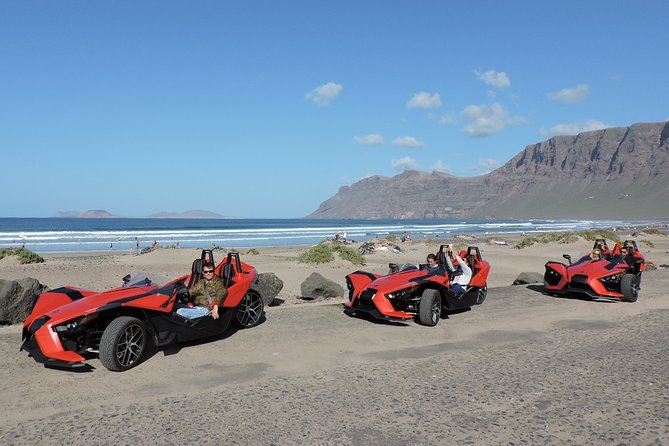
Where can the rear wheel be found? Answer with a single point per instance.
(629, 286)
(122, 343)
(429, 308)
(249, 311)
(482, 294)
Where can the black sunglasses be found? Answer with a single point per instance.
(207, 271)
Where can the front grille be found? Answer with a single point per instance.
(551, 277)
(580, 281)
(366, 296)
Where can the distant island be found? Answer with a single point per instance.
(99, 213)
(93, 213)
(187, 214)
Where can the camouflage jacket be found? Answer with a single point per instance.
(215, 292)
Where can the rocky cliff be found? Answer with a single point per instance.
(616, 173)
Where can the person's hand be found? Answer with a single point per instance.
(214, 312)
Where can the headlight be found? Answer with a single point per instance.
(73, 325)
(611, 279)
(70, 326)
(401, 294)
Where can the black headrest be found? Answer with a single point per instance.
(471, 260)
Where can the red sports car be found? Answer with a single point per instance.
(68, 325)
(617, 274)
(412, 292)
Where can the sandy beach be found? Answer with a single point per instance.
(523, 368)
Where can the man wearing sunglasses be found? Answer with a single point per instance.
(207, 294)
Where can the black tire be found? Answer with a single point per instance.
(122, 344)
(482, 293)
(429, 308)
(629, 287)
(250, 310)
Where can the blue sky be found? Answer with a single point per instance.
(266, 108)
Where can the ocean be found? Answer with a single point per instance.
(52, 235)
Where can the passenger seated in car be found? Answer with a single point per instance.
(596, 254)
(207, 294)
(461, 280)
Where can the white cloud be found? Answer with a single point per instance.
(483, 166)
(486, 120)
(439, 166)
(574, 128)
(424, 100)
(407, 141)
(373, 139)
(447, 119)
(574, 94)
(494, 79)
(406, 163)
(324, 94)
(488, 164)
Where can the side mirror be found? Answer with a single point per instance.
(126, 279)
(568, 257)
(394, 267)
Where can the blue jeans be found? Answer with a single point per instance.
(193, 312)
(457, 289)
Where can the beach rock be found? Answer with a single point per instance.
(317, 286)
(16, 296)
(526, 278)
(269, 286)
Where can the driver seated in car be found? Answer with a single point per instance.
(432, 266)
(461, 280)
(207, 294)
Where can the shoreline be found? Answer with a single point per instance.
(248, 234)
(103, 270)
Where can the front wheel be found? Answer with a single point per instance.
(482, 294)
(629, 286)
(429, 308)
(122, 344)
(250, 310)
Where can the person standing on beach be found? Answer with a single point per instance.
(207, 295)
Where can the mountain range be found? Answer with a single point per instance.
(614, 173)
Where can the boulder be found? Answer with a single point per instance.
(317, 286)
(16, 297)
(269, 286)
(526, 278)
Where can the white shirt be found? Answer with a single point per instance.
(466, 276)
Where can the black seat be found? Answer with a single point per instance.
(195, 273)
(473, 264)
(227, 273)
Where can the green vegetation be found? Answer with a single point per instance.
(324, 253)
(652, 231)
(253, 252)
(568, 237)
(647, 243)
(25, 255)
(392, 238)
(349, 254)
